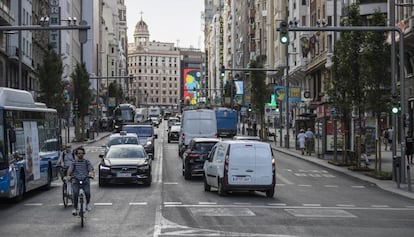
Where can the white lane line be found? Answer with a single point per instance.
(277, 204)
(379, 206)
(170, 183)
(242, 203)
(281, 178)
(345, 205)
(304, 185)
(173, 203)
(331, 186)
(138, 203)
(102, 204)
(409, 206)
(34, 204)
(311, 205)
(280, 185)
(207, 203)
(358, 186)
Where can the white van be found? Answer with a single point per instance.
(196, 123)
(240, 165)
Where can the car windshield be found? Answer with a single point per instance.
(204, 146)
(122, 152)
(123, 140)
(51, 145)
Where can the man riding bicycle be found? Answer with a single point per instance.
(81, 169)
(65, 161)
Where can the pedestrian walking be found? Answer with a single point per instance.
(301, 140)
(310, 141)
(385, 137)
(390, 136)
(409, 148)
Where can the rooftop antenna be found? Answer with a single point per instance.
(141, 12)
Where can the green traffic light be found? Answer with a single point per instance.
(395, 110)
(284, 39)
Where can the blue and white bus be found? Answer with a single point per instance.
(29, 144)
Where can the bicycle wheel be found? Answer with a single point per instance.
(81, 213)
(65, 194)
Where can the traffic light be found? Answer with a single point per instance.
(222, 70)
(250, 108)
(284, 32)
(277, 106)
(395, 105)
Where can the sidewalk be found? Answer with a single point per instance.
(323, 160)
(69, 135)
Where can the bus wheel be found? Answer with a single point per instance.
(20, 188)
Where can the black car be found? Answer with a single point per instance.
(174, 133)
(146, 136)
(124, 164)
(195, 155)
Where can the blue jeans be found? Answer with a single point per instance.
(86, 188)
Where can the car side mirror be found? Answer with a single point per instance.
(101, 156)
(156, 135)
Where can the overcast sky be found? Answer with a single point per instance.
(168, 20)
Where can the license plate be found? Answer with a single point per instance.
(241, 178)
(119, 174)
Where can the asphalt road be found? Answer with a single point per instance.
(309, 201)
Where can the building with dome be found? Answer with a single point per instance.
(154, 68)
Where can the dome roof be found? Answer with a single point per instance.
(141, 27)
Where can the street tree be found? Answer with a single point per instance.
(50, 81)
(260, 92)
(375, 70)
(115, 91)
(347, 89)
(82, 97)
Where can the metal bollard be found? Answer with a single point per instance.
(396, 170)
(408, 178)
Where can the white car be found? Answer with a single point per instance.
(240, 165)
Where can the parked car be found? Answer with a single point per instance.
(196, 123)
(174, 133)
(146, 136)
(240, 165)
(195, 155)
(125, 163)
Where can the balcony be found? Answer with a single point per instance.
(6, 15)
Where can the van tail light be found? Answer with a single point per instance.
(226, 169)
(273, 171)
(216, 135)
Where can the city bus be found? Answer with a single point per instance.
(123, 114)
(29, 144)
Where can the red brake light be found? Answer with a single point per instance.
(193, 155)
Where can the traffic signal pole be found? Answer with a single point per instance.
(393, 30)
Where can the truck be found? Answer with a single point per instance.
(226, 122)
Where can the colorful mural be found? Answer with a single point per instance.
(191, 85)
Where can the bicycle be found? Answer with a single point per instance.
(66, 195)
(82, 201)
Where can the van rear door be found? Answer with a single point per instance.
(263, 164)
(241, 169)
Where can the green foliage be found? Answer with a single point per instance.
(260, 93)
(83, 94)
(377, 74)
(50, 81)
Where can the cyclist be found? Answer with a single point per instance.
(81, 169)
(65, 161)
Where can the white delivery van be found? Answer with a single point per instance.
(240, 165)
(196, 123)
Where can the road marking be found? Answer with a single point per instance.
(331, 186)
(214, 211)
(207, 203)
(282, 178)
(34, 204)
(345, 205)
(173, 203)
(358, 186)
(410, 206)
(170, 183)
(379, 206)
(242, 203)
(319, 213)
(304, 185)
(280, 184)
(277, 204)
(103, 204)
(311, 205)
(138, 203)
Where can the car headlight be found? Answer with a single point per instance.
(149, 143)
(102, 167)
